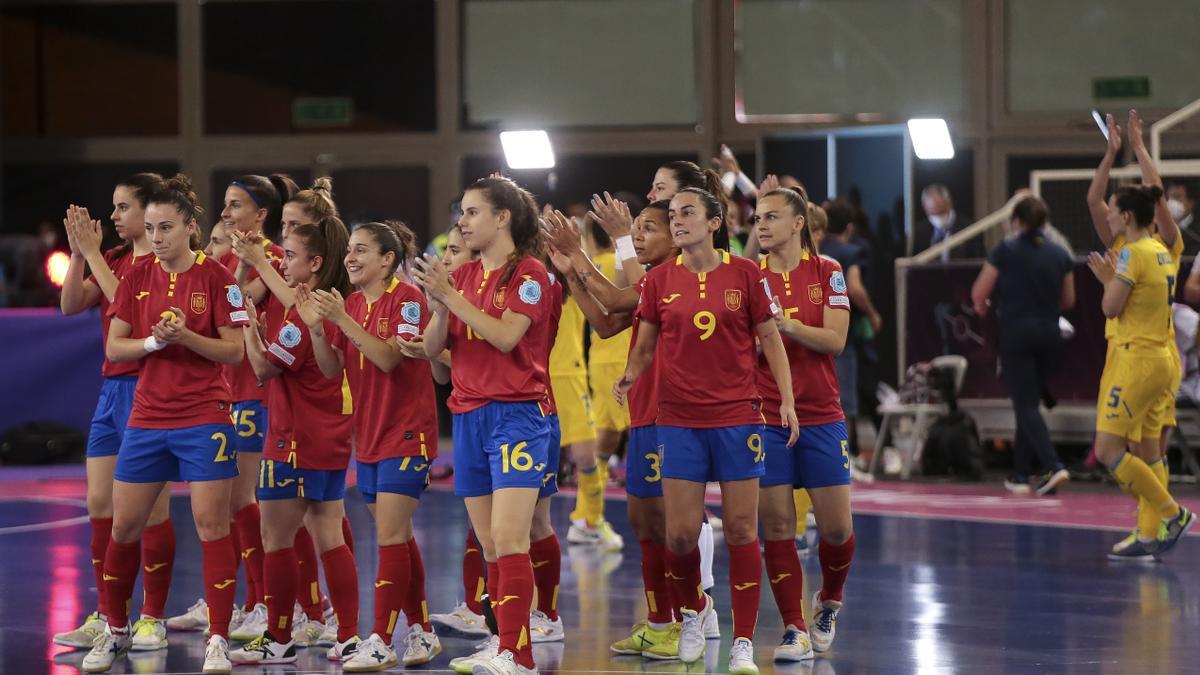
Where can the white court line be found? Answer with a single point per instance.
(53, 524)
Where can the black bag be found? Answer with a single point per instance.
(42, 443)
(953, 448)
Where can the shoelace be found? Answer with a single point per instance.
(825, 620)
(791, 638)
(741, 650)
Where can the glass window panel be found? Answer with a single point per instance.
(576, 178)
(1058, 49)
(221, 178)
(882, 58)
(578, 63)
(319, 65)
(78, 69)
(366, 194)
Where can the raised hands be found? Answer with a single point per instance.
(1103, 265)
(771, 182)
(306, 305)
(249, 247)
(83, 233)
(1114, 135)
(562, 233)
(430, 273)
(612, 214)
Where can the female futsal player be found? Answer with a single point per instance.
(709, 307)
(113, 408)
(814, 317)
(395, 426)
(484, 314)
(181, 315)
(303, 471)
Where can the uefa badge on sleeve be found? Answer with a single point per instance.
(530, 292)
(234, 295)
(837, 282)
(411, 312)
(290, 335)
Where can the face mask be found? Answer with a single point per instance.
(1177, 209)
(937, 221)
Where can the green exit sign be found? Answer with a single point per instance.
(331, 111)
(1120, 87)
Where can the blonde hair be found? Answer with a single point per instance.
(317, 201)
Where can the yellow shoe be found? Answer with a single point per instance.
(643, 639)
(666, 644)
(609, 539)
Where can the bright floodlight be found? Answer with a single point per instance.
(931, 139)
(527, 149)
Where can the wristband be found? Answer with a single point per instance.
(620, 265)
(744, 184)
(152, 345)
(625, 248)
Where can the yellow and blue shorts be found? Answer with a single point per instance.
(250, 423)
(606, 412)
(643, 463)
(715, 454)
(1134, 382)
(820, 458)
(503, 444)
(281, 480)
(406, 476)
(199, 453)
(112, 416)
(574, 403)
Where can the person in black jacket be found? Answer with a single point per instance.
(941, 221)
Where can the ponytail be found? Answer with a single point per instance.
(503, 194)
(317, 201)
(797, 201)
(177, 191)
(1033, 214)
(270, 193)
(329, 239)
(394, 237)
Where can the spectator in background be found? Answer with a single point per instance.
(940, 222)
(865, 321)
(1029, 281)
(1183, 209)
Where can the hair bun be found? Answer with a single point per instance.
(323, 184)
(1154, 192)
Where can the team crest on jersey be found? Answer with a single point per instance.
(815, 296)
(381, 329)
(498, 298)
(530, 292)
(733, 299)
(411, 311)
(290, 335)
(199, 302)
(837, 282)
(234, 295)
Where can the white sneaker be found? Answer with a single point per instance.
(371, 655)
(307, 633)
(85, 635)
(582, 533)
(741, 658)
(216, 656)
(298, 615)
(253, 625)
(236, 618)
(691, 637)
(149, 634)
(859, 476)
(421, 647)
(712, 627)
(460, 622)
(342, 651)
(107, 647)
(610, 540)
(503, 663)
(542, 629)
(485, 651)
(796, 646)
(824, 623)
(1016, 488)
(328, 636)
(264, 650)
(195, 619)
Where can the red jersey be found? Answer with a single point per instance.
(242, 381)
(177, 387)
(120, 264)
(482, 373)
(643, 395)
(312, 413)
(550, 339)
(804, 293)
(706, 326)
(395, 414)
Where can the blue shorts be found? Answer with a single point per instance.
(500, 445)
(199, 453)
(553, 459)
(643, 463)
(820, 458)
(846, 366)
(111, 416)
(717, 454)
(406, 476)
(280, 480)
(250, 422)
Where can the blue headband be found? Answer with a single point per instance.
(240, 184)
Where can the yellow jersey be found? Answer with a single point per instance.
(1176, 251)
(616, 348)
(567, 356)
(1145, 321)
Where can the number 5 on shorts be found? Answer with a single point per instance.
(1114, 397)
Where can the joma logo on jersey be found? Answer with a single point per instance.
(670, 298)
(733, 300)
(815, 295)
(199, 303)
(141, 294)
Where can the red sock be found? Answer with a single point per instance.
(220, 583)
(745, 587)
(342, 578)
(493, 581)
(654, 581)
(546, 558)
(786, 575)
(472, 573)
(158, 560)
(835, 566)
(120, 572)
(280, 577)
(683, 576)
(348, 534)
(250, 536)
(309, 591)
(235, 546)
(512, 606)
(416, 609)
(391, 585)
(101, 533)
